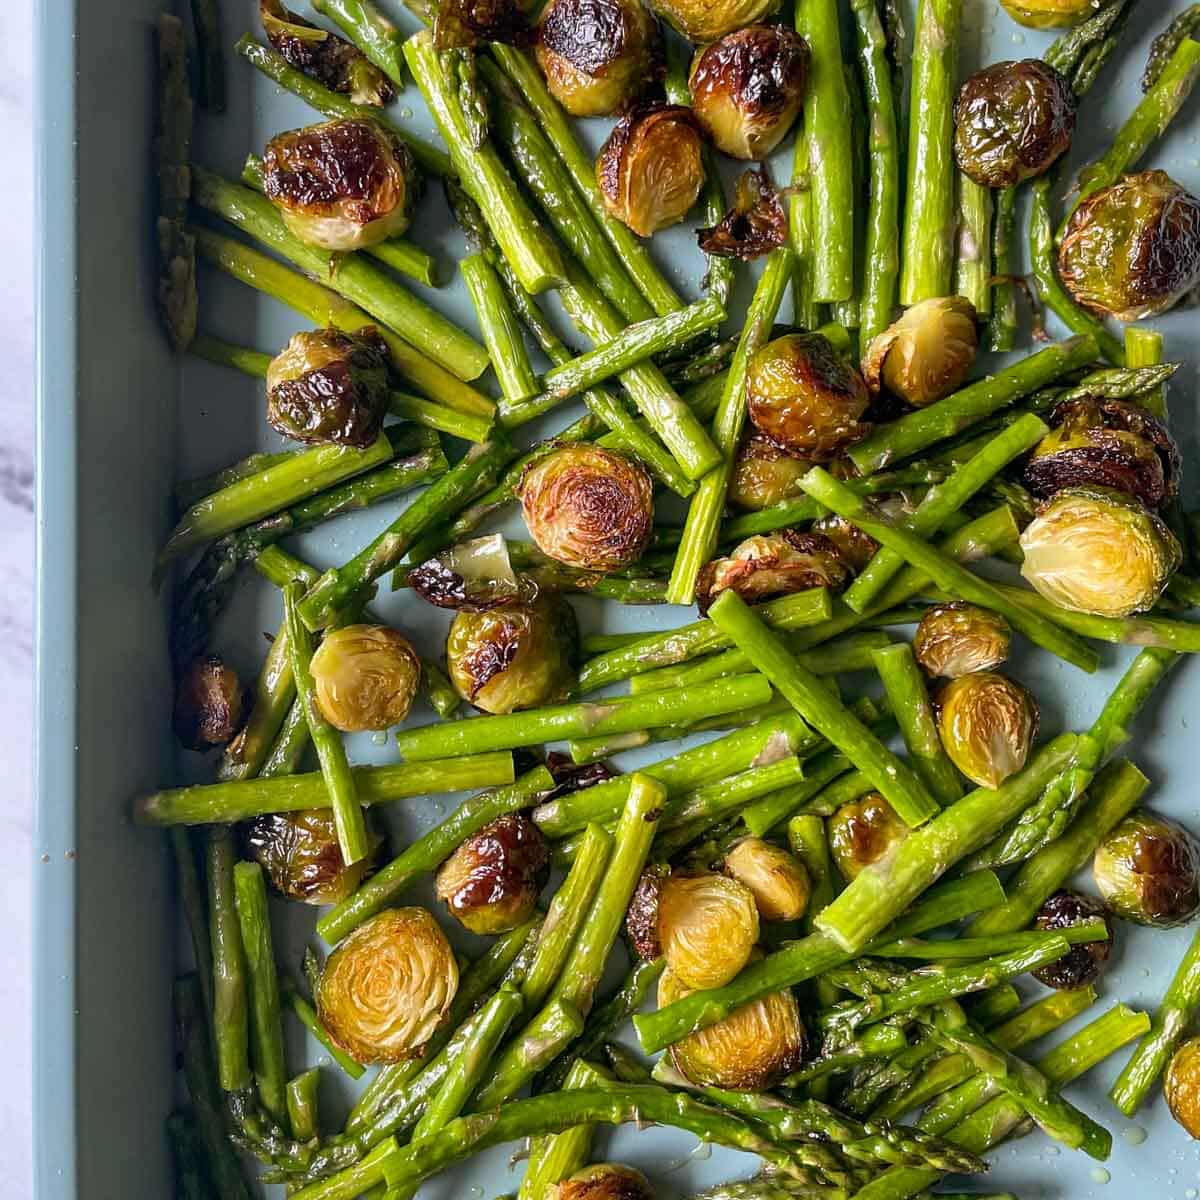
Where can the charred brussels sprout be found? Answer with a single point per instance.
(570, 776)
(707, 925)
(341, 185)
(1148, 871)
(1132, 250)
(1082, 964)
(641, 919)
(472, 576)
(705, 21)
(208, 704)
(589, 508)
(366, 677)
(764, 473)
(863, 832)
(805, 396)
(300, 853)
(987, 725)
(604, 1181)
(747, 88)
(755, 224)
(959, 639)
(491, 882)
(1095, 550)
(1049, 14)
(518, 656)
(926, 354)
(329, 386)
(856, 548)
(597, 55)
(651, 169)
(465, 24)
(1181, 1086)
(773, 564)
(388, 986)
(1012, 120)
(777, 880)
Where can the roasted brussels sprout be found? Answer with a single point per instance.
(1181, 1086)
(329, 386)
(472, 576)
(755, 225)
(208, 704)
(597, 55)
(588, 507)
(491, 882)
(518, 656)
(703, 21)
(707, 925)
(856, 548)
(341, 185)
(366, 677)
(651, 169)
(773, 564)
(1132, 250)
(1082, 964)
(987, 723)
(926, 354)
(764, 473)
(641, 918)
(387, 986)
(1012, 120)
(604, 1181)
(300, 853)
(748, 87)
(805, 396)
(777, 880)
(1148, 871)
(862, 832)
(1095, 550)
(959, 639)
(465, 24)
(570, 776)
(1049, 14)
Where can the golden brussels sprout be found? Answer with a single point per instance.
(764, 473)
(959, 639)
(491, 882)
(604, 1181)
(1132, 250)
(987, 724)
(751, 1050)
(651, 169)
(1148, 871)
(807, 397)
(588, 507)
(1095, 550)
(366, 677)
(862, 832)
(597, 55)
(208, 704)
(388, 986)
(300, 853)
(778, 880)
(466, 24)
(704, 21)
(754, 225)
(1181, 1086)
(517, 656)
(329, 386)
(1049, 14)
(748, 87)
(856, 548)
(773, 564)
(707, 926)
(341, 185)
(1082, 964)
(641, 918)
(472, 576)
(926, 354)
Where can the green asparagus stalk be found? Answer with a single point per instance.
(1002, 326)
(307, 1016)
(210, 83)
(195, 910)
(972, 948)
(806, 312)
(1144, 348)
(371, 32)
(501, 333)
(303, 1105)
(973, 249)
(230, 1007)
(1165, 44)
(555, 1158)
(188, 1158)
(878, 1041)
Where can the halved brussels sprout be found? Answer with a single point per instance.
(491, 882)
(748, 87)
(707, 925)
(987, 723)
(777, 880)
(926, 354)
(773, 564)
(387, 986)
(1049, 14)
(341, 185)
(862, 832)
(209, 704)
(366, 677)
(806, 396)
(465, 24)
(1082, 964)
(703, 21)
(959, 639)
(329, 386)
(472, 576)
(588, 507)
(641, 918)
(1095, 550)
(300, 853)
(518, 656)
(764, 473)
(1132, 250)
(651, 169)
(1148, 871)
(855, 547)
(604, 1181)
(598, 55)
(1181, 1086)
(754, 226)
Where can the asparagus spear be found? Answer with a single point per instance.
(230, 1013)
(188, 1158)
(1002, 326)
(501, 333)
(973, 247)
(1144, 348)
(206, 23)
(555, 1158)
(307, 1016)
(370, 31)
(303, 1105)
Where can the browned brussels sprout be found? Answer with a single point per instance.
(1012, 120)
(588, 507)
(1181, 1086)
(341, 185)
(1082, 964)
(1095, 550)
(517, 656)
(805, 396)
(472, 576)
(1049, 14)
(603, 1181)
(748, 87)
(329, 386)
(300, 853)
(1132, 250)
(960, 639)
(987, 724)
(464, 24)
(1148, 871)
(707, 926)
(862, 832)
(651, 169)
(641, 918)
(570, 776)
(703, 21)
(366, 677)
(754, 226)
(209, 704)
(491, 882)
(773, 564)
(388, 986)
(598, 55)
(777, 879)
(764, 473)
(856, 548)
(926, 354)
